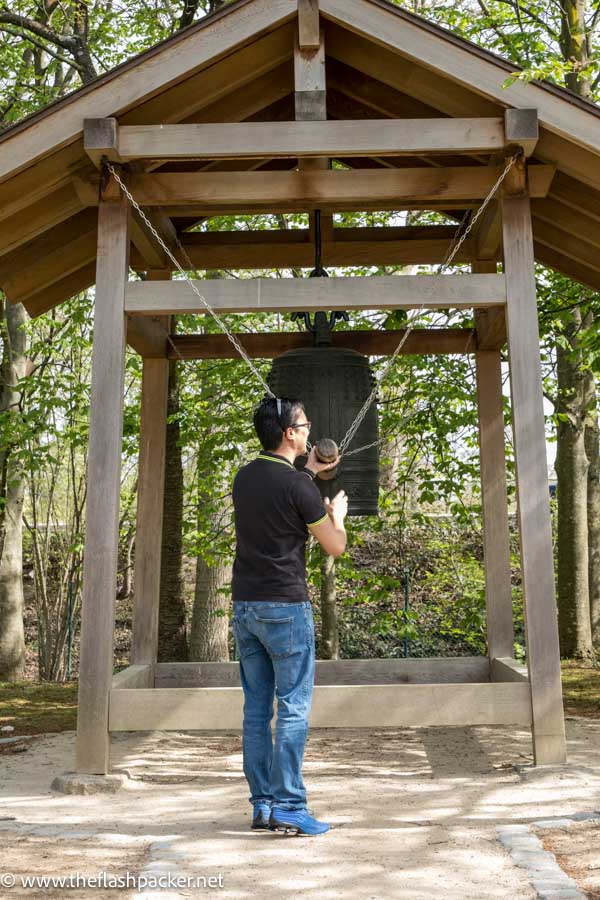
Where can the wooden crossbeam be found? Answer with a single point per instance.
(381, 137)
(277, 191)
(147, 337)
(348, 247)
(371, 343)
(291, 294)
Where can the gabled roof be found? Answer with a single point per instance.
(237, 65)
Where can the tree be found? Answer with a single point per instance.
(12, 372)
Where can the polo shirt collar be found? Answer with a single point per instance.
(274, 457)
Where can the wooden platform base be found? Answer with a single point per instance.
(348, 694)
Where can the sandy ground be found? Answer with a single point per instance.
(416, 811)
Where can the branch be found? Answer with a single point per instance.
(63, 59)
(47, 34)
(75, 45)
(529, 12)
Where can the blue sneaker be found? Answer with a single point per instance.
(260, 819)
(295, 821)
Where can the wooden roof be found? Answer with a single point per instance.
(237, 65)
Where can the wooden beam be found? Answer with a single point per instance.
(491, 327)
(308, 24)
(147, 337)
(387, 188)
(521, 129)
(573, 194)
(260, 95)
(45, 213)
(373, 95)
(290, 294)
(334, 706)
(148, 542)
(47, 297)
(133, 677)
(52, 267)
(537, 561)
(415, 670)
(577, 225)
(221, 84)
(101, 140)
(508, 669)
(487, 233)
(575, 246)
(246, 140)
(310, 97)
(411, 77)
(46, 244)
(102, 509)
(371, 343)
(496, 545)
(576, 162)
(348, 247)
(560, 262)
(47, 176)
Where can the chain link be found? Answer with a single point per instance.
(182, 271)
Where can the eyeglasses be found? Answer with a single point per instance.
(306, 425)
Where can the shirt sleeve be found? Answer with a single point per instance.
(309, 501)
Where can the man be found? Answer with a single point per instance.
(276, 506)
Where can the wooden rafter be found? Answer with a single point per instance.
(371, 343)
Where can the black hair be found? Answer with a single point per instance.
(269, 425)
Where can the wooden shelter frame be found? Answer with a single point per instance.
(350, 693)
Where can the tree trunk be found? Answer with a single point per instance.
(172, 637)
(572, 474)
(579, 518)
(210, 619)
(12, 487)
(592, 446)
(330, 642)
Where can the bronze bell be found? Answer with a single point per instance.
(333, 384)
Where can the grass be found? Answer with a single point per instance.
(39, 707)
(581, 689)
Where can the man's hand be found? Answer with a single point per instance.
(316, 466)
(337, 509)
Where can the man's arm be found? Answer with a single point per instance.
(331, 533)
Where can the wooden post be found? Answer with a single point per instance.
(151, 479)
(496, 549)
(532, 477)
(104, 470)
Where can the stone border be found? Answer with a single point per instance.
(527, 851)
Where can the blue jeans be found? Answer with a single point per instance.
(276, 646)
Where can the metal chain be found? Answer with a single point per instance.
(453, 249)
(455, 246)
(182, 271)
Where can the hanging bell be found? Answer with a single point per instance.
(333, 385)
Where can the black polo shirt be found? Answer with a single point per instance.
(274, 503)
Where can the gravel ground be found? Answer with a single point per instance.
(416, 812)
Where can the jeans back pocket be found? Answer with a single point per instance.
(275, 634)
